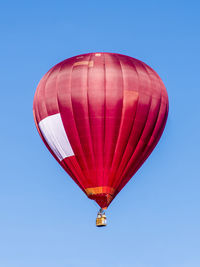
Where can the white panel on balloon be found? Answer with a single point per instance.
(54, 133)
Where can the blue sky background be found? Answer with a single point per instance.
(45, 220)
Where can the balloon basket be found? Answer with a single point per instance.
(101, 219)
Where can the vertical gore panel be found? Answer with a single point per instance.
(96, 106)
(113, 109)
(79, 98)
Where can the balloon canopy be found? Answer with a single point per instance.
(101, 115)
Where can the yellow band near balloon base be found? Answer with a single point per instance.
(100, 190)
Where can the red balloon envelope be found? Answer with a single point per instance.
(101, 115)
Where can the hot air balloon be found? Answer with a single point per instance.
(101, 115)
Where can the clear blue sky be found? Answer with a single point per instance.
(45, 220)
